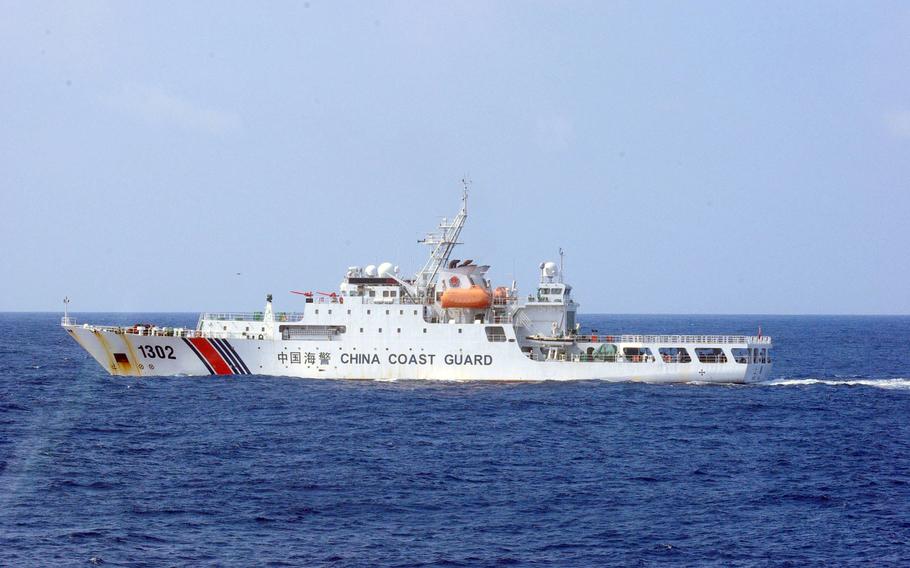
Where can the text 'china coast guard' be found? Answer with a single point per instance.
(446, 322)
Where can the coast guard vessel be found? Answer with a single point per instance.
(446, 322)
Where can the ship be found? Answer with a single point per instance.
(446, 323)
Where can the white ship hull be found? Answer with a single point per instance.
(124, 353)
(447, 323)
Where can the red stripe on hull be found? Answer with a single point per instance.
(219, 365)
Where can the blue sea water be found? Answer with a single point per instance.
(809, 469)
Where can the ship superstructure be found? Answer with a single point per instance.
(447, 322)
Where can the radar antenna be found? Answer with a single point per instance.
(443, 241)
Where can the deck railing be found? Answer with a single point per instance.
(250, 316)
(671, 339)
(168, 331)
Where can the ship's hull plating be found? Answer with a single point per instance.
(143, 355)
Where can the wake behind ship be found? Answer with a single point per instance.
(447, 322)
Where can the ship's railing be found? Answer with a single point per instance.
(671, 339)
(67, 321)
(167, 331)
(250, 316)
(620, 358)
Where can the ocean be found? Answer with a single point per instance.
(811, 468)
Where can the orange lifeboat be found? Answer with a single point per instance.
(474, 297)
(501, 293)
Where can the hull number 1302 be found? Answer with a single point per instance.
(157, 351)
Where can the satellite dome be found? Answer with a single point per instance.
(370, 270)
(550, 269)
(385, 269)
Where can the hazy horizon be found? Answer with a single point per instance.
(704, 158)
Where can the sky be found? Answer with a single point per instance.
(690, 157)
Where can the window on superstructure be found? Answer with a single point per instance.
(401, 312)
(674, 355)
(385, 293)
(393, 293)
(415, 312)
(459, 330)
(349, 312)
(637, 354)
(380, 330)
(387, 312)
(317, 311)
(330, 312)
(424, 330)
(495, 333)
(399, 330)
(740, 354)
(369, 312)
(710, 355)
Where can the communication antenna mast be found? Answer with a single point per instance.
(562, 255)
(443, 242)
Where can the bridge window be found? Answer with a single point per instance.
(674, 355)
(637, 354)
(495, 333)
(741, 354)
(710, 355)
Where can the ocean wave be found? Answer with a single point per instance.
(898, 383)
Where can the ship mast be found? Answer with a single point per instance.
(443, 242)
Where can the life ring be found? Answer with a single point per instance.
(454, 282)
(609, 339)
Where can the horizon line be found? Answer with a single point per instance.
(581, 313)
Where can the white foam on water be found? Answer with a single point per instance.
(877, 383)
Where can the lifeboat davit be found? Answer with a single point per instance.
(474, 297)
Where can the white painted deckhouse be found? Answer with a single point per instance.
(447, 322)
